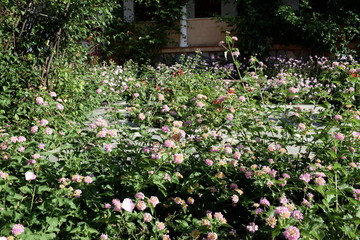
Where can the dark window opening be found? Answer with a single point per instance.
(144, 12)
(207, 8)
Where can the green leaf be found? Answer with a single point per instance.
(25, 189)
(53, 223)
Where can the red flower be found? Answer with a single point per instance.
(178, 73)
(216, 102)
(231, 91)
(354, 75)
(157, 87)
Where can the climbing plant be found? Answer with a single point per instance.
(41, 37)
(140, 40)
(324, 27)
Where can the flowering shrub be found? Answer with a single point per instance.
(200, 157)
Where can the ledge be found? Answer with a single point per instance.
(192, 49)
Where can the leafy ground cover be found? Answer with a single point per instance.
(196, 156)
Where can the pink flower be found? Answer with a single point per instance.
(161, 97)
(39, 101)
(17, 229)
(135, 95)
(165, 109)
(297, 215)
(139, 195)
(77, 193)
(302, 126)
(252, 227)
(21, 149)
(107, 205)
(166, 237)
(88, 179)
(128, 205)
(48, 131)
(34, 129)
(258, 211)
(265, 202)
(237, 155)
(236, 53)
(208, 162)
(283, 212)
(248, 174)
(165, 129)
(306, 177)
(292, 233)
(356, 194)
(41, 146)
(141, 205)
(77, 178)
(44, 122)
(271, 221)
(117, 205)
(52, 94)
(229, 116)
(339, 136)
(21, 139)
(169, 144)
(167, 177)
(178, 158)
(160, 226)
(235, 198)
(356, 135)
(211, 236)
(101, 122)
(14, 139)
(214, 149)
(320, 181)
(147, 217)
(242, 99)
(108, 147)
(4, 146)
(103, 236)
(337, 117)
(177, 123)
(141, 116)
(293, 90)
(36, 156)
(4, 175)
(60, 106)
(200, 104)
(153, 201)
(30, 176)
(102, 133)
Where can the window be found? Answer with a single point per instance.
(207, 8)
(144, 12)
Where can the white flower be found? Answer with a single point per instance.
(128, 205)
(30, 176)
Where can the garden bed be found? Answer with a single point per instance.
(186, 155)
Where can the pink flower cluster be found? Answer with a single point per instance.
(107, 133)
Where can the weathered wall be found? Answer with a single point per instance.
(201, 32)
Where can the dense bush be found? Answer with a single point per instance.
(38, 38)
(323, 27)
(201, 157)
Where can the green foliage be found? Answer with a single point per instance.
(37, 35)
(141, 41)
(321, 26)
